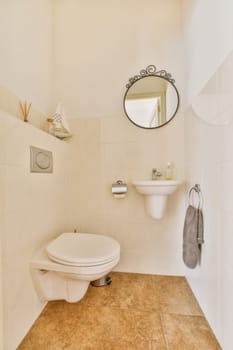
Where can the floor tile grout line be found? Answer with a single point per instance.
(163, 330)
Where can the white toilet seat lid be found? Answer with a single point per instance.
(83, 249)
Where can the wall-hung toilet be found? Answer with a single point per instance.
(65, 267)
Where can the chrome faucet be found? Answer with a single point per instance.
(156, 174)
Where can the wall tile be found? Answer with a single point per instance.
(209, 162)
(106, 150)
(32, 211)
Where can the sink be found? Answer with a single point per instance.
(159, 187)
(156, 192)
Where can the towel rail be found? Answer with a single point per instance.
(196, 189)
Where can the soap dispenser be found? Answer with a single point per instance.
(169, 171)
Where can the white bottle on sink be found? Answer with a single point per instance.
(169, 171)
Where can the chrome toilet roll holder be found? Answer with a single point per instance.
(119, 189)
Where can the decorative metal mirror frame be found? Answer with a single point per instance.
(151, 71)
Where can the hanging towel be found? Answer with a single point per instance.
(192, 236)
(200, 227)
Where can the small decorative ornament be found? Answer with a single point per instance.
(25, 109)
(60, 127)
(50, 126)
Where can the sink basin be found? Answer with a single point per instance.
(156, 192)
(159, 187)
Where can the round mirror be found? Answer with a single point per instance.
(151, 99)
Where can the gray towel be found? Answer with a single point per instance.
(192, 236)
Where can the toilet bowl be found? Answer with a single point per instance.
(64, 268)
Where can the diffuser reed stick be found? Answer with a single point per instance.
(25, 109)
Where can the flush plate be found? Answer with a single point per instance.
(41, 160)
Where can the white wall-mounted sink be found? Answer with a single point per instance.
(156, 192)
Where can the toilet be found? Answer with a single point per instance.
(64, 268)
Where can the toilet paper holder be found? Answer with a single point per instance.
(119, 189)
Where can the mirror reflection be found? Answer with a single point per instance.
(151, 101)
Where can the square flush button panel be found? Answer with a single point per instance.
(41, 160)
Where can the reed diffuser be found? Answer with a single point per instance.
(25, 109)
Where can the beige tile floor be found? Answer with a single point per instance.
(135, 312)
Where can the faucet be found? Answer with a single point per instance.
(156, 174)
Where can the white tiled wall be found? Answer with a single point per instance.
(26, 46)
(99, 45)
(208, 27)
(32, 210)
(209, 162)
(105, 150)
